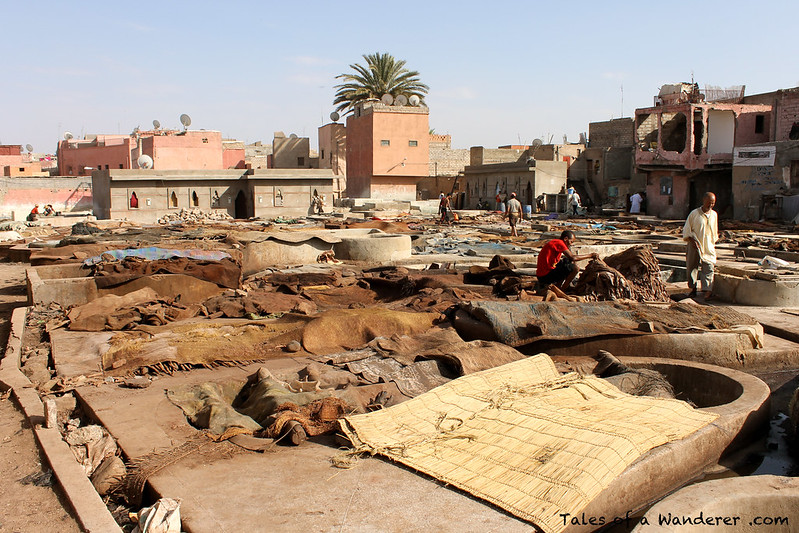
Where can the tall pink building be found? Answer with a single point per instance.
(387, 150)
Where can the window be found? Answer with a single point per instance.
(106, 167)
(205, 141)
(795, 174)
(134, 201)
(413, 143)
(173, 199)
(195, 200)
(22, 169)
(120, 165)
(760, 123)
(385, 142)
(300, 161)
(323, 154)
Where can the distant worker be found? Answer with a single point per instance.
(48, 210)
(575, 203)
(33, 216)
(514, 212)
(317, 203)
(635, 203)
(701, 231)
(557, 265)
(540, 203)
(443, 210)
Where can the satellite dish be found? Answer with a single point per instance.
(387, 99)
(145, 161)
(334, 116)
(293, 136)
(68, 135)
(156, 124)
(537, 143)
(401, 100)
(29, 148)
(414, 100)
(185, 120)
(135, 131)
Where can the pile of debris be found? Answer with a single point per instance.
(631, 274)
(193, 215)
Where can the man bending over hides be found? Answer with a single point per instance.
(557, 265)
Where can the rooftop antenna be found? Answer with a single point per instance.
(156, 124)
(145, 161)
(622, 100)
(185, 120)
(334, 116)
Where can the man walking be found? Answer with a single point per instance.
(701, 231)
(514, 211)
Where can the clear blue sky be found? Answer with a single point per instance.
(499, 72)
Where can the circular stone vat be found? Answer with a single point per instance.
(742, 403)
(741, 504)
(374, 247)
(748, 291)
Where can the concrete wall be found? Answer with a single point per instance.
(674, 205)
(483, 182)
(19, 195)
(490, 156)
(160, 192)
(785, 103)
(288, 192)
(291, 152)
(750, 181)
(240, 194)
(616, 133)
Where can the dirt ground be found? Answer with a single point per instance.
(29, 495)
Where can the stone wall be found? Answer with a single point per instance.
(614, 133)
(785, 103)
(493, 156)
(19, 195)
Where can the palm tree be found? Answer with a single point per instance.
(382, 75)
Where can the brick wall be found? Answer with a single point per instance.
(615, 133)
(786, 110)
(446, 161)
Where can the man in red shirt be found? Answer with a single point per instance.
(557, 264)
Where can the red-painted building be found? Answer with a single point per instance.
(169, 150)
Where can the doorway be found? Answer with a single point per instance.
(241, 210)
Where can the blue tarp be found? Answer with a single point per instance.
(152, 253)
